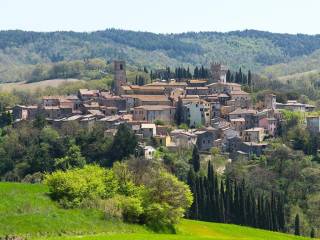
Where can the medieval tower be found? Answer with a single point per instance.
(270, 101)
(219, 72)
(120, 77)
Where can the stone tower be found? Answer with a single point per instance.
(120, 77)
(219, 72)
(270, 101)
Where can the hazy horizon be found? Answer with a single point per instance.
(236, 30)
(164, 16)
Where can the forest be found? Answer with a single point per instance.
(22, 52)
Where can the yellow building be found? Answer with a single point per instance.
(163, 140)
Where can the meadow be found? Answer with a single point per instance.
(26, 210)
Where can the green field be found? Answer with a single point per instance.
(26, 210)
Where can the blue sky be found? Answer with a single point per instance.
(162, 16)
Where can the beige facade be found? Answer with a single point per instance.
(151, 113)
(253, 135)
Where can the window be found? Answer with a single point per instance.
(121, 67)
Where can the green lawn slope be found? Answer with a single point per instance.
(26, 210)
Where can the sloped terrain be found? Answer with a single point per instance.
(26, 210)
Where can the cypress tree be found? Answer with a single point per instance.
(211, 198)
(297, 225)
(206, 200)
(179, 112)
(228, 76)
(191, 180)
(242, 203)
(249, 78)
(202, 72)
(253, 211)
(313, 233)
(232, 78)
(199, 199)
(228, 200)
(222, 201)
(196, 73)
(240, 77)
(196, 159)
(203, 202)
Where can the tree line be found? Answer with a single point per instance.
(180, 73)
(239, 77)
(228, 201)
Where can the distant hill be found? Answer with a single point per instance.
(20, 51)
(26, 210)
(303, 67)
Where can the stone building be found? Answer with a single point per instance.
(270, 101)
(197, 113)
(253, 135)
(21, 112)
(151, 113)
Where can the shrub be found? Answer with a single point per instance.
(129, 209)
(156, 197)
(73, 187)
(112, 208)
(159, 122)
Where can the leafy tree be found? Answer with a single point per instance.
(167, 199)
(40, 121)
(124, 143)
(73, 159)
(5, 119)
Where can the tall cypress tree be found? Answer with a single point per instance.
(195, 159)
(297, 225)
(191, 180)
(249, 79)
(228, 76)
(222, 201)
(313, 233)
(179, 112)
(281, 217)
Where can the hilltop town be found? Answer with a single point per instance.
(209, 113)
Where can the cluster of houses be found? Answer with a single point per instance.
(218, 113)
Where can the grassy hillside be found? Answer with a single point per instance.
(193, 230)
(21, 51)
(27, 210)
(7, 87)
